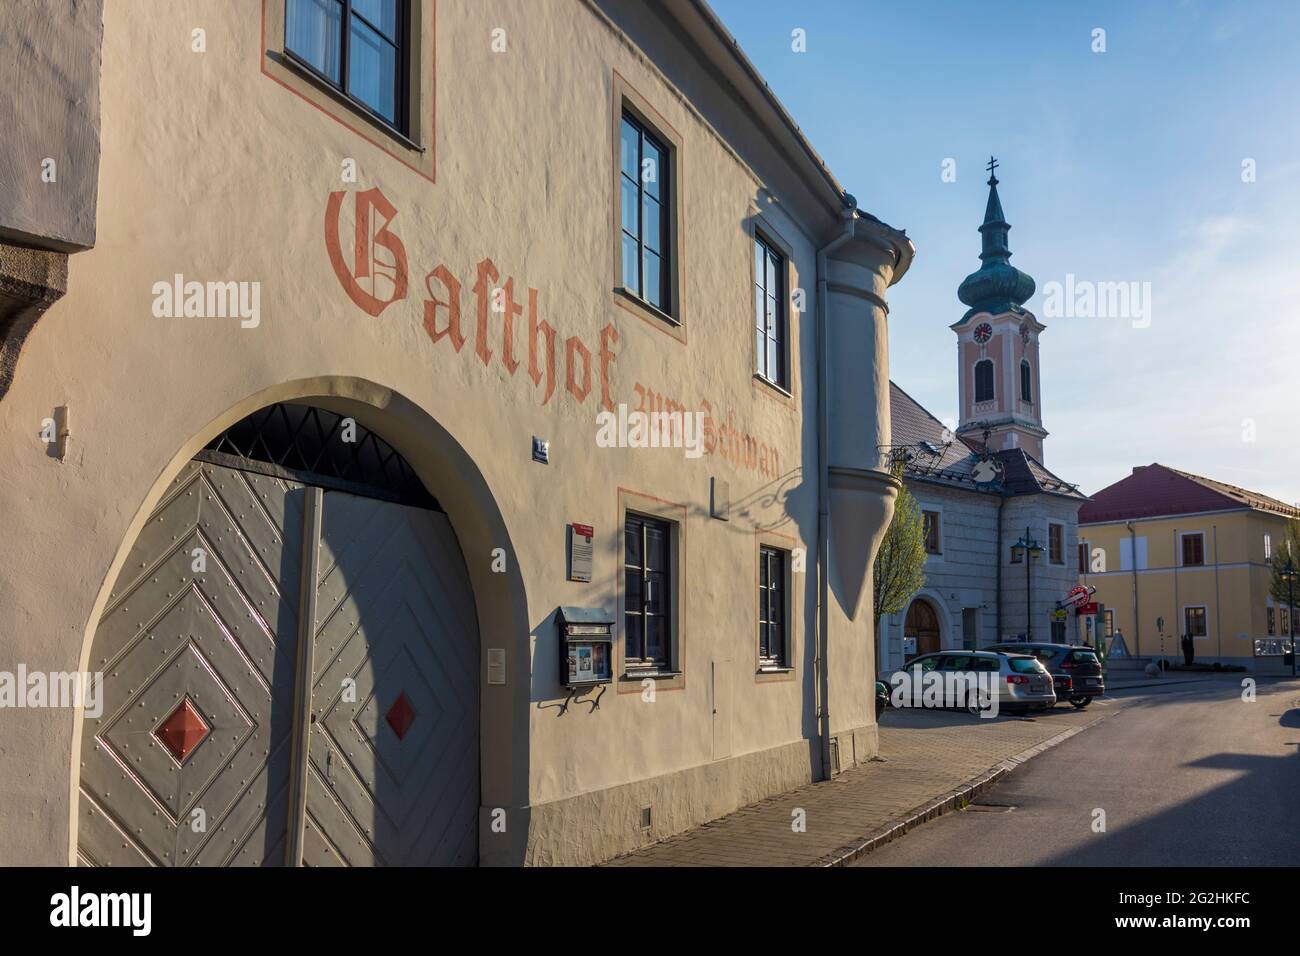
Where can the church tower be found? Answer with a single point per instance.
(997, 344)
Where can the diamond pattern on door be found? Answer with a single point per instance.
(203, 615)
(392, 783)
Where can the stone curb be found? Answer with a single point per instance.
(954, 799)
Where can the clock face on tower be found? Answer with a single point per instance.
(983, 332)
(1024, 332)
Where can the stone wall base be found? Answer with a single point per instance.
(593, 827)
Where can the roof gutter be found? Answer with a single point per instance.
(725, 37)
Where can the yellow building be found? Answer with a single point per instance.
(1172, 553)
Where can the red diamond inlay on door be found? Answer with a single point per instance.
(184, 730)
(401, 715)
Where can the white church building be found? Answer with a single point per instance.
(1001, 530)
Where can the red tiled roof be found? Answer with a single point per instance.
(1156, 490)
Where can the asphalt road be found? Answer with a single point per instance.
(1189, 775)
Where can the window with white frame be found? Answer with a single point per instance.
(769, 313)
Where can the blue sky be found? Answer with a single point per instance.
(1122, 166)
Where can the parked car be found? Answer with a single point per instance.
(1075, 669)
(1022, 683)
(882, 697)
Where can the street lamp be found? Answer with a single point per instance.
(1028, 550)
(1289, 572)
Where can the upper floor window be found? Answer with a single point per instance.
(771, 607)
(356, 46)
(1083, 557)
(933, 543)
(1193, 549)
(984, 380)
(647, 597)
(1026, 383)
(769, 313)
(1056, 543)
(643, 214)
(1268, 547)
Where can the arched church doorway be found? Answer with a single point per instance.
(922, 624)
(290, 658)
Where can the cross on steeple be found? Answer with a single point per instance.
(993, 164)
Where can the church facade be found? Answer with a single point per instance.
(1001, 528)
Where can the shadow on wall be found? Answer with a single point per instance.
(765, 509)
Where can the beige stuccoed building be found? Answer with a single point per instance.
(328, 332)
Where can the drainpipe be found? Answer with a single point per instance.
(997, 601)
(821, 682)
(1180, 621)
(1137, 618)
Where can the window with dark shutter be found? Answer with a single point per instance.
(771, 607)
(984, 380)
(932, 532)
(1193, 549)
(647, 595)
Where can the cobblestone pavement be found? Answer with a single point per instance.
(924, 757)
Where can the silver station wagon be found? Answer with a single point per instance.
(1020, 681)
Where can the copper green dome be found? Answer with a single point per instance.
(996, 286)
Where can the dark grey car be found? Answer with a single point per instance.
(1076, 671)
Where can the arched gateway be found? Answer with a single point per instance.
(922, 624)
(290, 658)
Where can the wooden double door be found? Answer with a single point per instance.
(290, 676)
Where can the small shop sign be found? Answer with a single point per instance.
(580, 551)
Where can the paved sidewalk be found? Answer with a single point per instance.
(931, 762)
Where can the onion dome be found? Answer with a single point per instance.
(996, 286)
